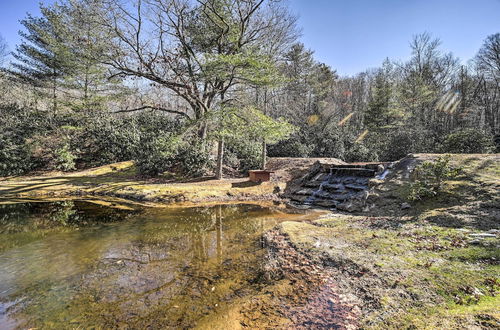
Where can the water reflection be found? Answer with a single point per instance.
(75, 264)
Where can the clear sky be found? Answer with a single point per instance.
(354, 35)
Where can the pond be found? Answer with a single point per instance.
(76, 264)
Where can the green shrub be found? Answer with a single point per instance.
(65, 159)
(243, 155)
(15, 155)
(172, 153)
(468, 141)
(104, 140)
(193, 159)
(154, 154)
(359, 152)
(406, 140)
(428, 177)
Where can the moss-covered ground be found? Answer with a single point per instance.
(121, 181)
(435, 265)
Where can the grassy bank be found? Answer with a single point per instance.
(120, 181)
(435, 265)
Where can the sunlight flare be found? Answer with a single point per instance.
(362, 136)
(345, 119)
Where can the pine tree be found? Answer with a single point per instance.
(381, 111)
(43, 59)
(87, 43)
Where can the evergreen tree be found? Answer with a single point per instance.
(87, 43)
(381, 111)
(42, 58)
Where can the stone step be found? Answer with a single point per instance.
(326, 203)
(299, 198)
(312, 184)
(357, 187)
(371, 166)
(334, 187)
(349, 180)
(345, 171)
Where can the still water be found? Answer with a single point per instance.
(75, 264)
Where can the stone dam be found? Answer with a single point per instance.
(343, 187)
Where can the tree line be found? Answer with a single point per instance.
(197, 86)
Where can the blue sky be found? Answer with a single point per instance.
(354, 35)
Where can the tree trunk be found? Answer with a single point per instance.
(264, 155)
(220, 156)
(54, 93)
(202, 132)
(264, 145)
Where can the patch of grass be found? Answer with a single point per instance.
(476, 254)
(420, 267)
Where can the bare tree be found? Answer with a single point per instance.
(488, 57)
(198, 49)
(487, 93)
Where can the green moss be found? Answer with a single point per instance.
(475, 254)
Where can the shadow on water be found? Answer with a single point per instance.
(76, 264)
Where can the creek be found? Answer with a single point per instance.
(76, 264)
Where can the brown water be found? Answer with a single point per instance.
(75, 264)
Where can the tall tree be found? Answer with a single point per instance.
(87, 42)
(488, 57)
(200, 50)
(382, 110)
(42, 58)
(487, 63)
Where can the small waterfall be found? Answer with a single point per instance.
(382, 175)
(310, 200)
(340, 187)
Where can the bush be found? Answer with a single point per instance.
(295, 146)
(359, 152)
(65, 159)
(243, 155)
(468, 141)
(404, 141)
(156, 155)
(15, 155)
(106, 140)
(193, 159)
(428, 178)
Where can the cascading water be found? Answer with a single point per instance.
(382, 175)
(342, 187)
(310, 200)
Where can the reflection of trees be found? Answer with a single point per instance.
(137, 270)
(39, 216)
(34, 216)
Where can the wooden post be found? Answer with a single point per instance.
(264, 145)
(264, 155)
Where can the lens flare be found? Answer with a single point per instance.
(361, 136)
(345, 119)
(449, 102)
